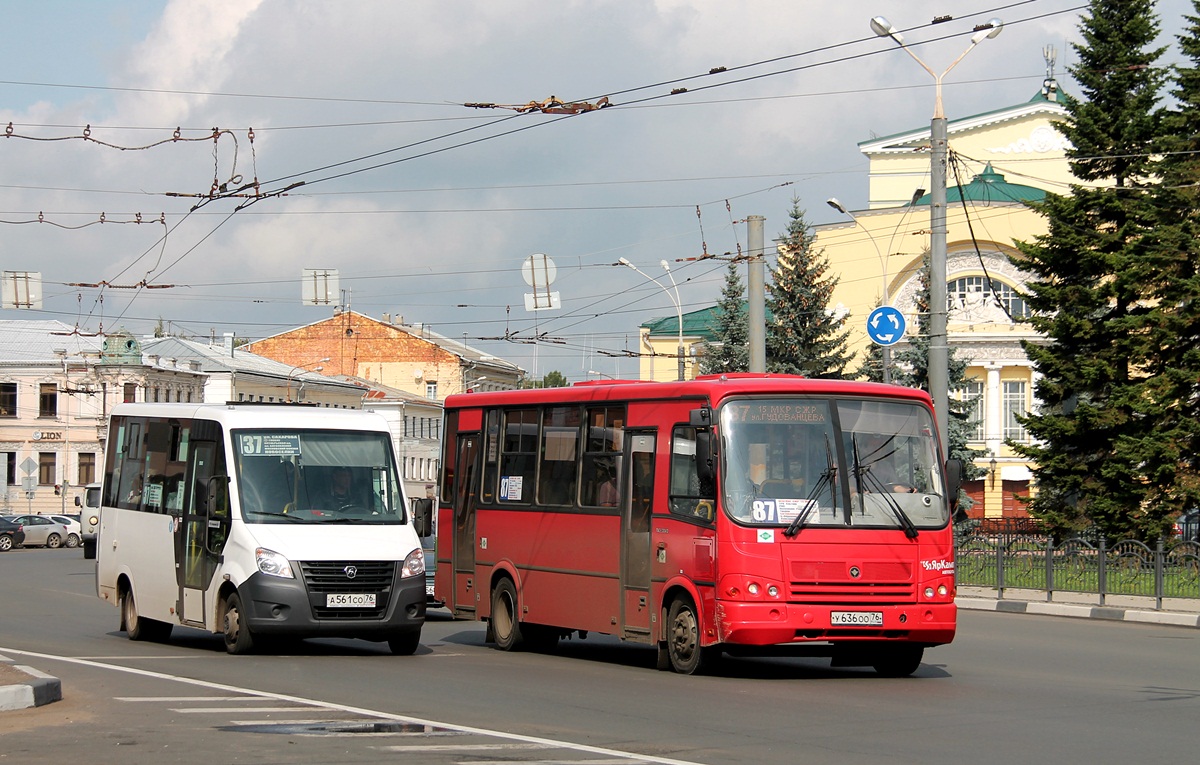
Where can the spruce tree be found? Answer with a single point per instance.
(803, 337)
(1173, 298)
(730, 351)
(1092, 434)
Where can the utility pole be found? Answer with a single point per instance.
(756, 293)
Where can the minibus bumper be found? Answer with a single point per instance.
(285, 607)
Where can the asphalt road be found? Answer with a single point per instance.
(1012, 688)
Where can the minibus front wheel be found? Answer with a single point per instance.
(238, 639)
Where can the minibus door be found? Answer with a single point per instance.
(202, 532)
(465, 497)
(637, 505)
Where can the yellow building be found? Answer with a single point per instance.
(999, 160)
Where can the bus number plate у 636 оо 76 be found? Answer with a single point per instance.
(856, 618)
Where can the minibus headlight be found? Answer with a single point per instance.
(93, 520)
(272, 563)
(414, 564)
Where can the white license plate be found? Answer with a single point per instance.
(429, 590)
(350, 600)
(856, 618)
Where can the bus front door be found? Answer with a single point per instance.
(195, 549)
(465, 497)
(635, 540)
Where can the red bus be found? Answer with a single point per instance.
(742, 514)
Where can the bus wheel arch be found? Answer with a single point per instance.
(136, 626)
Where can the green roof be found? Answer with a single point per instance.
(987, 187)
(699, 323)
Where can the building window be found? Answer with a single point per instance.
(47, 400)
(973, 290)
(971, 392)
(129, 393)
(8, 399)
(46, 465)
(431, 390)
(87, 468)
(10, 468)
(1015, 405)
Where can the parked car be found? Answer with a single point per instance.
(89, 517)
(41, 530)
(74, 528)
(11, 535)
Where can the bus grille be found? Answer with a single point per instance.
(878, 582)
(325, 577)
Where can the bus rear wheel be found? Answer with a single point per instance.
(137, 627)
(684, 652)
(238, 639)
(506, 624)
(900, 661)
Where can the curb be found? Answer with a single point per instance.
(1173, 618)
(39, 690)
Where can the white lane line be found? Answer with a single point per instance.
(468, 748)
(178, 699)
(227, 710)
(624, 757)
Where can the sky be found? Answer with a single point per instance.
(354, 119)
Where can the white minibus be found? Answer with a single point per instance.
(258, 522)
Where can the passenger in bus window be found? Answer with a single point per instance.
(608, 494)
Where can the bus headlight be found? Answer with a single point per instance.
(414, 564)
(272, 563)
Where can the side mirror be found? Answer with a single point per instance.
(78, 502)
(423, 516)
(705, 470)
(954, 474)
(700, 418)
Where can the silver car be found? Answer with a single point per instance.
(42, 530)
(74, 529)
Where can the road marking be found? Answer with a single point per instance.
(227, 710)
(617, 754)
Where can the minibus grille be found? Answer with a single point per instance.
(330, 577)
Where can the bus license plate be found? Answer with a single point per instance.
(350, 600)
(856, 618)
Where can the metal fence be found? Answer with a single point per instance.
(1018, 554)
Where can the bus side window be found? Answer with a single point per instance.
(689, 496)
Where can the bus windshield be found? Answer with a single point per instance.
(799, 462)
(316, 476)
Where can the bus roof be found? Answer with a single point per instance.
(710, 388)
(247, 415)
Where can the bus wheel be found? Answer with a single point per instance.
(506, 626)
(683, 638)
(138, 627)
(899, 661)
(238, 639)
(405, 643)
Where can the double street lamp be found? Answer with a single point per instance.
(674, 299)
(939, 350)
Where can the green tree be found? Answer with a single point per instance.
(730, 350)
(553, 379)
(803, 336)
(1092, 437)
(1173, 299)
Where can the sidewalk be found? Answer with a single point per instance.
(1180, 612)
(22, 687)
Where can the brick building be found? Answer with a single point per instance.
(407, 357)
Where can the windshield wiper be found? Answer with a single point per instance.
(810, 502)
(875, 486)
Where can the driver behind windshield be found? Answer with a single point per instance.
(341, 489)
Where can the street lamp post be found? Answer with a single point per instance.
(674, 299)
(301, 368)
(885, 352)
(939, 349)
